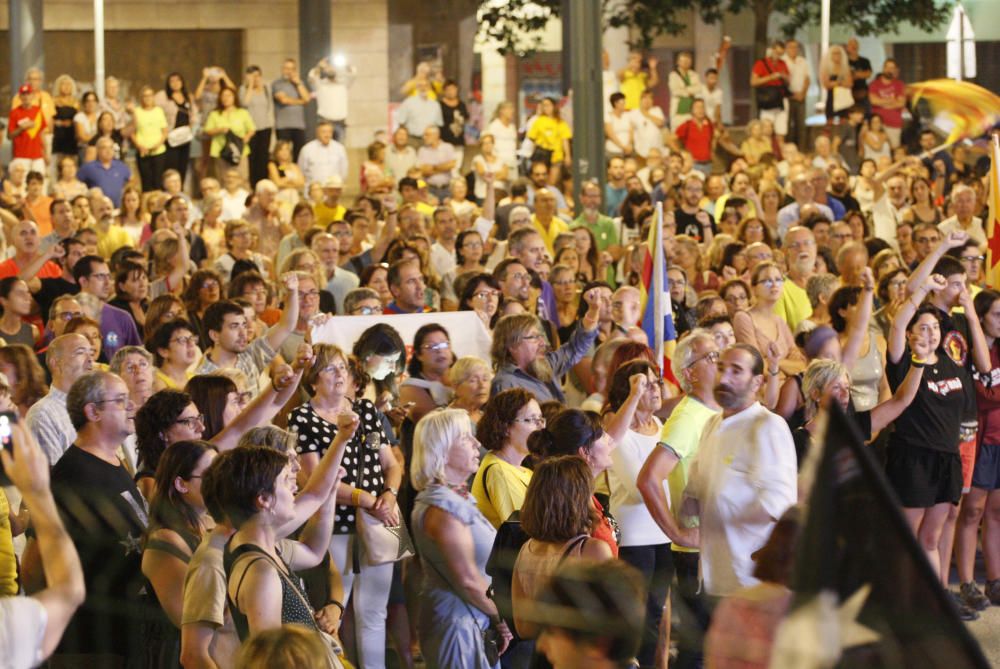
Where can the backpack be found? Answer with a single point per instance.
(500, 564)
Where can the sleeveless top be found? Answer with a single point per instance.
(295, 607)
(22, 336)
(866, 377)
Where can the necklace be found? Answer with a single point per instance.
(462, 489)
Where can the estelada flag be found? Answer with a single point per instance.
(993, 225)
(865, 594)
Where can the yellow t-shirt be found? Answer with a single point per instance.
(326, 215)
(112, 240)
(556, 227)
(793, 306)
(632, 86)
(237, 120)
(548, 133)
(681, 434)
(8, 561)
(149, 126)
(503, 494)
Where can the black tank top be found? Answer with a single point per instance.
(295, 607)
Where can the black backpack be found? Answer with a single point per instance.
(500, 565)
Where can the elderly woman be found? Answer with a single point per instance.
(370, 486)
(469, 378)
(520, 355)
(508, 419)
(454, 540)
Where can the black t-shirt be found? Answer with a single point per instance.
(934, 418)
(52, 289)
(803, 440)
(453, 130)
(860, 87)
(687, 224)
(105, 516)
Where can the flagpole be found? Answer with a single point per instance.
(659, 271)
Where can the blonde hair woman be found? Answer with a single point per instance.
(835, 72)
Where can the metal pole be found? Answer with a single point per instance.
(315, 42)
(584, 22)
(961, 43)
(824, 40)
(99, 48)
(26, 48)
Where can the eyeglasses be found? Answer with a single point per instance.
(342, 233)
(488, 295)
(101, 276)
(310, 294)
(711, 356)
(925, 240)
(531, 337)
(806, 243)
(520, 276)
(69, 315)
(208, 285)
(771, 283)
(123, 401)
(472, 245)
(537, 421)
(437, 346)
(737, 299)
(185, 340)
(192, 421)
(367, 311)
(973, 258)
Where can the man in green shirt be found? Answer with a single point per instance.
(800, 255)
(602, 226)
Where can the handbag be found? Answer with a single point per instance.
(540, 155)
(771, 97)
(383, 543)
(842, 98)
(232, 151)
(180, 136)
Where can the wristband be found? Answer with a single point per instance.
(356, 497)
(334, 602)
(774, 373)
(917, 362)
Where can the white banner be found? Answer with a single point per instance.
(467, 333)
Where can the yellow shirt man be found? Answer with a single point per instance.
(556, 227)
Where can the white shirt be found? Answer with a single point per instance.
(319, 162)
(713, 100)
(621, 126)
(22, 631)
(798, 71)
(744, 477)
(975, 230)
(634, 520)
(442, 260)
(331, 94)
(234, 204)
(646, 135)
(50, 424)
(504, 141)
(609, 85)
(885, 220)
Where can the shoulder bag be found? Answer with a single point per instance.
(382, 543)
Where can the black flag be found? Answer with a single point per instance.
(860, 572)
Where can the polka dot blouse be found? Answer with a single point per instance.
(361, 457)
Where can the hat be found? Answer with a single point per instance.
(25, 89)
(333, 182)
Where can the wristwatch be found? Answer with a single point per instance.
(394, 491)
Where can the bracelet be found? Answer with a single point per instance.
(356, 497)
(917, 362)
(774, 373)
(334, 602)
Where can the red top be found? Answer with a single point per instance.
(603, 529)
(988, 403)
(893, 118)
(28, 144)
(697, 139)
(762, 69)
(50, 270)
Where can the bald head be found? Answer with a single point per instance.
(68, 358)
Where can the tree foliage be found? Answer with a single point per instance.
(515, 24)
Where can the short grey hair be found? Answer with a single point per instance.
(684, 352)
(269, 436)
(88, 389)
(432, 439)
(266, 185)
(818, 375)
(118, 361)
(820, 285)
(357, 295)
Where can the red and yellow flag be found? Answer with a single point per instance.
(993, 224)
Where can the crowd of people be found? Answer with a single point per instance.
(195, 481)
